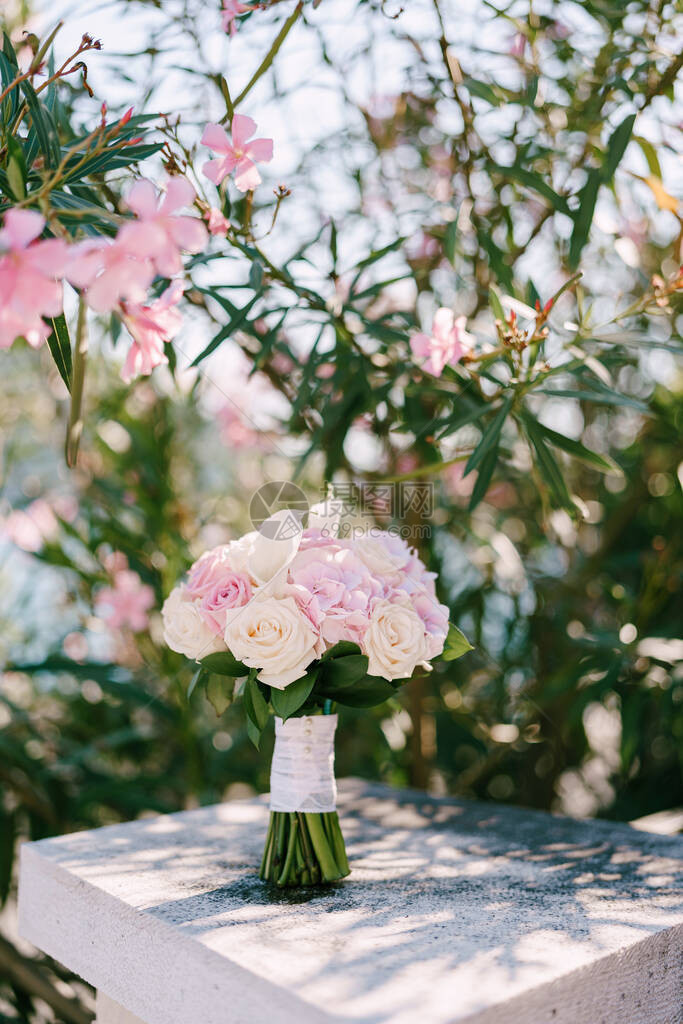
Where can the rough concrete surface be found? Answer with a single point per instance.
(454, 912)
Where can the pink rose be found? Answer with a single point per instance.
(207, 571)
(232, 590)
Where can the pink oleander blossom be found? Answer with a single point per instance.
(151, 326)
(31, 527)
(126, 603)
(160, 232)
(108, 272)
(231, 591)
(238, 154)
(216, 222)
(448, 342)
(231, 8)
(29, 272)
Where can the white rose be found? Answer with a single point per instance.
(185, 630)
(395, 640)
(273, 635)
(273, 547)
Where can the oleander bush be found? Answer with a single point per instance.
(433, 262)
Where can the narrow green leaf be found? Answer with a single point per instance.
(496, 304)
(255, 275)
(225, 332)
(59, 344)
(44, 126)
(489, 438)
(286, 702)
(198, 677)
(255, 704)
(450, 239)
(483, 480)
(483, 91)
(547, 464)
(600, 462)
(457, 644)
(536, 183)
(616, 147)
(583, 217)
(650, 154)
(16, 168)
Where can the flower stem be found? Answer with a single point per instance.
(291, 848)
(303, 849)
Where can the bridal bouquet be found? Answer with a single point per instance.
(298, 621)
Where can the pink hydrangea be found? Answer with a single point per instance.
(109, 272)
(238, 154)
(29, 272)
(336, 589)
(231, 590)
(151, 326)
(160, 232)
(126, 603)
(231, 8)
(448, 342)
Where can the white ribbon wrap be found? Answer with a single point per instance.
(302, 772)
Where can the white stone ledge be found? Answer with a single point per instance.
(454, 912)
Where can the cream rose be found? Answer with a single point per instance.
(185, 630)
(273, 635)
(395, 640)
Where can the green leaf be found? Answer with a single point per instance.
(489, 438)
(286, 702)
(616, 147)
(255, 708)
(59, 344)
(449, 240)
(496, 304)
(603, 463)
(225, 332)
(16, 168)
(547, 465)
(483, 91)
(583, 218)
(43, 125)
(345, 671)
(223, 664)
(368, 693)
(340, 650)
(483, 480)
(196, 679)
(255, 275)
(8, 843)
(457, 644)
(219, 693)
(536, 183)
(650, 154)
(605, 397)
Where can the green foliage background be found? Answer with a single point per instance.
(573, 697)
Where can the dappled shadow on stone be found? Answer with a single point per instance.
(446, 898)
